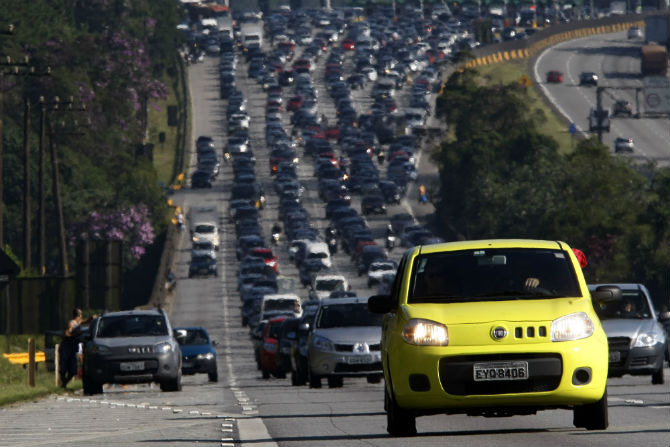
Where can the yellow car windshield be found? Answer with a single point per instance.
(492, 274)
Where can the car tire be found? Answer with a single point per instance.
(172, 385)
(314, 379)
(335, 382)
(657, 377)
(301, 372)
(593, 416)
(213, 376)
(399, 422)
(375, 378)
(91, 387)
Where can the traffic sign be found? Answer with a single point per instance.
(525, 81)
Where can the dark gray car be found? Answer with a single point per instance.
(637, 341)
(134, 346)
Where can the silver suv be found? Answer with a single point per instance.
(134, 346)
(637, 340)
(344, 342)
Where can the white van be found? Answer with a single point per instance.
(318, 250)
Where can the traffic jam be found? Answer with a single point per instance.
(319, 176)
(328, 114)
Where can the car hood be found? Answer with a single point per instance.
(190, 350)
(117, 342)
(539, 310)
(628, 327)
(350, 335)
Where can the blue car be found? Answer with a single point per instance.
(197, 350)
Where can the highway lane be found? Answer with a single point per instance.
(615, 58)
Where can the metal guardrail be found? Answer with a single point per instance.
(22, 358)
(522, 49)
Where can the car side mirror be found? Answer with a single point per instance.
(380, 304)
(606, 294)
(664, 316)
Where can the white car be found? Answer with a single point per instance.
(370, 72)
(203, 248)
(325, 283)
(379, 269)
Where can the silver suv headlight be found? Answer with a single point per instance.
(163, 347)
(99, 349)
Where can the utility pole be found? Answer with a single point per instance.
(8, 31)
(41, 188)
(27, 233)
(55, 175)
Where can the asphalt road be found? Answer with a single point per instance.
(244, 409)
(616, 60)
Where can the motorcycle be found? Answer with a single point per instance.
(332, 245)
(390, 242)
(275, 237)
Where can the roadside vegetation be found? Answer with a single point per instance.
(117, 63)
(503, 174)
(15, 387)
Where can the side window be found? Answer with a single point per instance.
(397, 282)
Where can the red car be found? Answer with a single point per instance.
(555, 76)
(267, 255)
(295, 103)
(348, 44)
(332, 132)
(269, 351)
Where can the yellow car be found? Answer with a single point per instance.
(492, 328)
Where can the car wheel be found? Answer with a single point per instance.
(399, 422)
(592, 416)
(172, 385)
(314, 379)
(335, 382)
(376, 378)
(301, 371)
(294, 378)
(213, 376)
(657, 377)
(91, 387)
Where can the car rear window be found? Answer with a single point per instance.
(492, 274)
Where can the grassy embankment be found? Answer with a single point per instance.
(553, 124)
(14, 383)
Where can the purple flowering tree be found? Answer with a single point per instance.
(129, 225)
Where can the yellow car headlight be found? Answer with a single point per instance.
(571, 327)
(425, 333)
